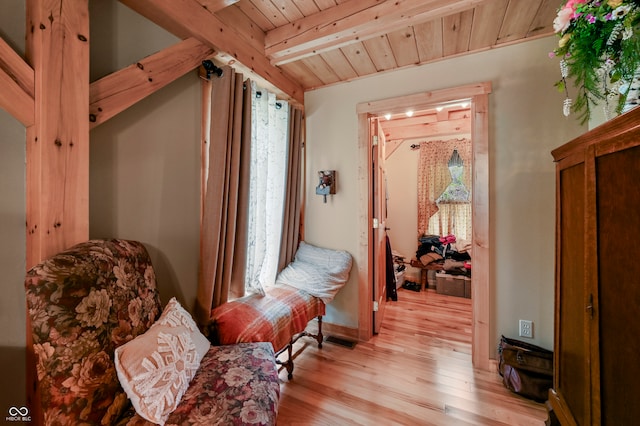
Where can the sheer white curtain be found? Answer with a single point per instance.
(269, 133)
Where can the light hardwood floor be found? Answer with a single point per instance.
(416, 371)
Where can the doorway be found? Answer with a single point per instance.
(477, 94)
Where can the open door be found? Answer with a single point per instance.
(379, 210)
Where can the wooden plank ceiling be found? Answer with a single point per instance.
(298, 45)
(322, 42)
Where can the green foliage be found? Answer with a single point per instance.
(600, 47)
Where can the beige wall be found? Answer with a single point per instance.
(12, 230)
(526, 123)
(12, 262)
(145, 162)
(12, 194)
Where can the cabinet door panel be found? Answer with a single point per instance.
(618, 203)
(572, 380)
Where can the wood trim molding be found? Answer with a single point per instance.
(481, 288)
(332, 329)
(423, 100)
(365, 268)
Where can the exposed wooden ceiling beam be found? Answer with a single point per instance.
(16, 67)
(118, 91)
(17, 83)
(437, 129)
(185, 18)
(350, 22)
(432, 115)
(15, 100)
(423, 101)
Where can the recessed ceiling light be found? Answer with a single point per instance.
(409, 113)
(387, 116)
(439, 109)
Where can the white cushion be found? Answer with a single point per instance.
(156, 367)
(335, 261)
(319, 271)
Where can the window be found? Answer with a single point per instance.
(269, 142)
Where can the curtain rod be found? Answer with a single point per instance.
(415, 146)
(211, 68)
(259, 95)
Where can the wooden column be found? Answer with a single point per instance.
(58, 142)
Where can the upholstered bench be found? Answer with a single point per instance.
(280, 315)
(106, 355)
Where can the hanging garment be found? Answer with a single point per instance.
(391, 276)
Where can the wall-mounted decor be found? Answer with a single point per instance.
(326, 183)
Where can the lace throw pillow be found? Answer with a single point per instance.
(156, 367)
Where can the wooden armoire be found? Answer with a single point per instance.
(597, 276)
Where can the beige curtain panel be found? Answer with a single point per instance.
(293, 201)
(223, 234)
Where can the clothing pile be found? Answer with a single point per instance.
(448, 250)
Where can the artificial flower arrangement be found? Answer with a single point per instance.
(600, 48)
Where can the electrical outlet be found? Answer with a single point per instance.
(526, 329)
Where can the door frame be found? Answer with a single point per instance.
(378, 246)
(478, 95)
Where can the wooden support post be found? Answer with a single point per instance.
(57, 142)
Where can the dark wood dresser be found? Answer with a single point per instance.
(597, 276)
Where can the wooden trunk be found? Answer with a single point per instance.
(597, 274)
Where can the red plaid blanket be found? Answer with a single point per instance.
(276, 317)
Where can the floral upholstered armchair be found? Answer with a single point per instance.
(106, 354)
